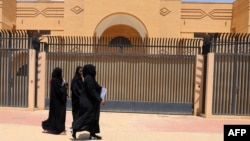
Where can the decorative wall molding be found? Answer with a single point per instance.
(77, 9)
(164, 11)
(216, 14)
(50, 12)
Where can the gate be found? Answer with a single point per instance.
(151, 75)
(231, 89)
(14, 62)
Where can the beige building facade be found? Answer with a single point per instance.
(154, 19)
(137, 18)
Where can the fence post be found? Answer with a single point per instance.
(209, 85)
(41, 80)
(31, 82)
(198, 86)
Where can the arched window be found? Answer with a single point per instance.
(120, 41)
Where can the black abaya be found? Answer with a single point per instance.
(76, 91)
(57, 109)
(89, 113)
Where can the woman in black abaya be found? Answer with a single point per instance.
(76, 89)
(90, 100)
(55, 124)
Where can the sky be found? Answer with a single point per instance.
(209, 1)
(230, 1)
(182, 0)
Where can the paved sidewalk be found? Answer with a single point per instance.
(26, 126)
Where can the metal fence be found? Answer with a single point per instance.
(14, 64)
(152, 75)
(142, 75)
(231, 89)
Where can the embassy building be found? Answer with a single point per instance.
(153, 56)
(137, 18)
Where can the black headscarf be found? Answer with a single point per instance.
(57, 75)
(89, 69)
(76, 76)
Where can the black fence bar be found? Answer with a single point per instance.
(147, 75)
(14, 55)
(108, 45)
(231, 74)
(228, 43)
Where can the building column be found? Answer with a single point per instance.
(31, 82)
(198, 87)
(209, 85)
(41, 80)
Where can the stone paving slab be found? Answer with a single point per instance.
(26, 126)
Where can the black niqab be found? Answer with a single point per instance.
(89, 69)
(57, 76)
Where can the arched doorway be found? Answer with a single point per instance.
(125, 28)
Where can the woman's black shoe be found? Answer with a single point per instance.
(95, 137)
(73, 132)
